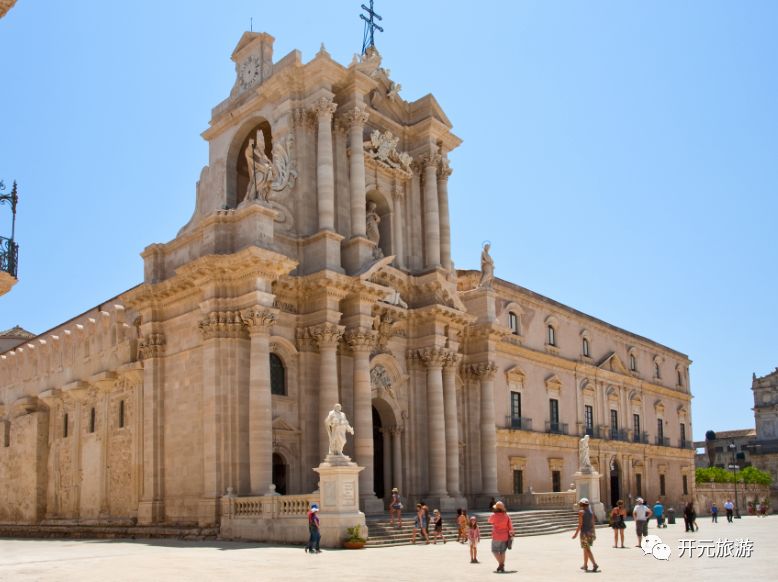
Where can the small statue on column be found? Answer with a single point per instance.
(337, 426)
(487, 268)
(583, 455)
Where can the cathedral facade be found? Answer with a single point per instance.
(316, 269)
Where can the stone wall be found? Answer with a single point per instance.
(707, 493)
(23, 469)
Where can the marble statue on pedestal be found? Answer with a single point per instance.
(583, 455)
(337, 426)
(487, 268)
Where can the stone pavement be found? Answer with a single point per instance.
(549, 557)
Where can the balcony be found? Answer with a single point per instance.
(592, 431)
(618, 435)
(9, 256)
(556, 427)
(662, 441)
(518, 423)
(641, 438)
(684, 444)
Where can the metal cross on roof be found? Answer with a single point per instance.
(370, 26)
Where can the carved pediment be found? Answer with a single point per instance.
(515, 374)
(613, 363)
(281, 425)
(553, 383)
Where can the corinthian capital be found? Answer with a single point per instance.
(151, 346)
(324, 108)
(357, 116)
(361, 340)
(327, 334)
(431, 160)
(444, 170)
(483, 370)
(222, 324)
(434, 357)
(258, 319)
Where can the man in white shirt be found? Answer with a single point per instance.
(641, 513)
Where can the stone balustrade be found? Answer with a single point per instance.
(268, 506)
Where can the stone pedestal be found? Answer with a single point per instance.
(322, 251)
(587, 484)
(357, 252)
(339, 500)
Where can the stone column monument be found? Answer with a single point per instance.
(338, 485)
(587, 480)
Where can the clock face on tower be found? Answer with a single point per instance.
(249, 72)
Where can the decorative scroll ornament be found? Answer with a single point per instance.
(266, 175)
(382, 147)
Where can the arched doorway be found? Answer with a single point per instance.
(279, 473)
(378, 454)
(615, 490)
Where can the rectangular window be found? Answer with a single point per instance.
(589, 419)
(6, 434)
(92, 420)
(65, 426)
(513, 321)
(639, 484)
(661, 485)
(556, 481)
(685, 485)
(660, 431)
(636, 427)
(518, 482)
(515, 405)
(683, 435)
(121, 413)
(614, 423)
(554, 414)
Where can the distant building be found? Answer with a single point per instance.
(742, 439)
(13, 337)
(765, 446)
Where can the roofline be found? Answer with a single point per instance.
(540, 297)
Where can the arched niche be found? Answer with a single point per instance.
(237, 166)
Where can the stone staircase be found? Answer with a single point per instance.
(525, 523)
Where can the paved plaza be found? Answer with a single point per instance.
(550, 557)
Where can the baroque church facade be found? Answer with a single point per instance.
(317, 269)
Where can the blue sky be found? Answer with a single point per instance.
(621, 156)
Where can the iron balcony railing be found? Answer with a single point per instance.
(592, 431)
(684, 444)
(618, 435)
(638, 437)
(518, 422)
(663, 441)
(9, 256)
(556, 427)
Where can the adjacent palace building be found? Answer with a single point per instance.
(316, 268)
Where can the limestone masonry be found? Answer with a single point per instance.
(317, 269)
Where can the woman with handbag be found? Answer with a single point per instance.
(502, 534)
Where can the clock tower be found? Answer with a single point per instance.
(253, 59)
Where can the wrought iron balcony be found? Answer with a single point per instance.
(618, 435)
(518, 423)
(556, 427)
(592, 431)
(662, 441)
(684, 444)
(9, 256)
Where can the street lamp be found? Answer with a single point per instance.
(732, 447)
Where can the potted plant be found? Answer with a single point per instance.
(354, 540)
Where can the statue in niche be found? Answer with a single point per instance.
(337, 426)
(487, 268)
(583, 455)
(372, 221)
(268, 175)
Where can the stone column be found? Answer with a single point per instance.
(397, 458)
(325, 170)
(151, 508)
(431, 212)
(398, 232)
(434, 359)
(259, 320)
(327, 337)
(361, 342)
(486, 372)
(356, 119)
(445, 228)
(452, 424)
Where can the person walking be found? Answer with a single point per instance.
(641, 513)
(586, 529)
(659, 511)
(502, 534)
(437, 532)
(314, 535)
(420, 524)
(473, 536)
(714, 512)
(461, 526)
(617, 517)
(693, 518)
(729, 507)
(396, 509)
